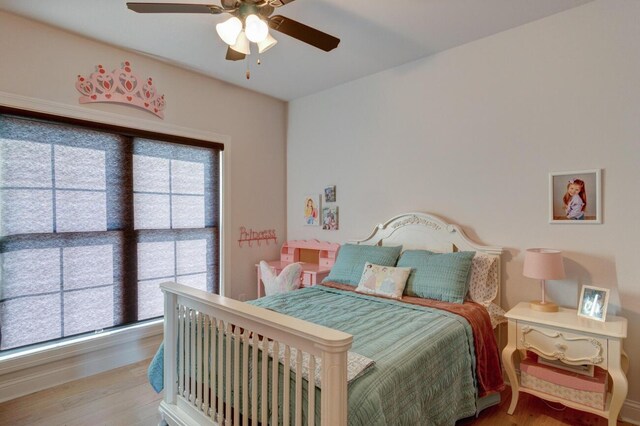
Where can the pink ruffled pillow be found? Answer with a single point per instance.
(287, 280)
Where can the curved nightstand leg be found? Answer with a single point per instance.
(620, 385)
(618, 395)
(507, 360)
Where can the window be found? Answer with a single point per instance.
(92, 221)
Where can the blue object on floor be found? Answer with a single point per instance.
(155, 372)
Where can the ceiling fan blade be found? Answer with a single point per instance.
(279, 3)
(233, 55)
(228, 4)
(174, 8)
(304, 33)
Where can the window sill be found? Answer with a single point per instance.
(28, 371)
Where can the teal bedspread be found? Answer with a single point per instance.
(424, 363)
(424, 358)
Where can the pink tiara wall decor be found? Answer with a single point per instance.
(120, 86)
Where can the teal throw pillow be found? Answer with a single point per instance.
(440, 276)
(352, 258)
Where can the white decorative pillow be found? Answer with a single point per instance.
(383, 280)
(287, 280)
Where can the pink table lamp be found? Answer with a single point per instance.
(543, 264)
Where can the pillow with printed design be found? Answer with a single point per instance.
(483, 286)
(383, 280)
(481, 289)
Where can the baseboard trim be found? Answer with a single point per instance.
(41, 370)
(630, 412)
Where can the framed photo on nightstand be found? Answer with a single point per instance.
(593, 302)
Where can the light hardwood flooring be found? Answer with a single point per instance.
(533, 411)
(123, 397)
(117, 397)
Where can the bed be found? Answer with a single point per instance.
(329, 355)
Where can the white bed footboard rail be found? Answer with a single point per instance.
(231, 363)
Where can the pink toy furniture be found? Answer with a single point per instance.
(317, 258)
(576, 387)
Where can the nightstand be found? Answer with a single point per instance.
(565, 336)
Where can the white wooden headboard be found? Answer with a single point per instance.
(422, 231)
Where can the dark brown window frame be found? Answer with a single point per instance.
(144, 134)
(110, 128)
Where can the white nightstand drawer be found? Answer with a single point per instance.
(569, 347)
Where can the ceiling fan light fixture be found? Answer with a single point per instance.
(256, 29)
(242, 44)
(229, 30)
(266, 44)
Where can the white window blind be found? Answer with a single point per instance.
(92, 221)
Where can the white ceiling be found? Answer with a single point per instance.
(375, 35)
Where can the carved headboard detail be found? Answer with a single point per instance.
(422, 231)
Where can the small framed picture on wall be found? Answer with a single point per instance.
(330, 220)
(312, 210)
(575, 197)
(330, 194)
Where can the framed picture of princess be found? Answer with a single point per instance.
(312, 210)
(575, 197)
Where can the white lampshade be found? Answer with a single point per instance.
(267, 43)
(242, 44)
(255, 28)
(229, 30)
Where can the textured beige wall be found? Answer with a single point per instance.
(472, 133)
(39, 61)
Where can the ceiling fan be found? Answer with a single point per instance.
(250, 22)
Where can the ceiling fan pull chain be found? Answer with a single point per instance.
(248, 73)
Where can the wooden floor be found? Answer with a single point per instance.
(117, 397)
(533, 411)
(123, 397)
